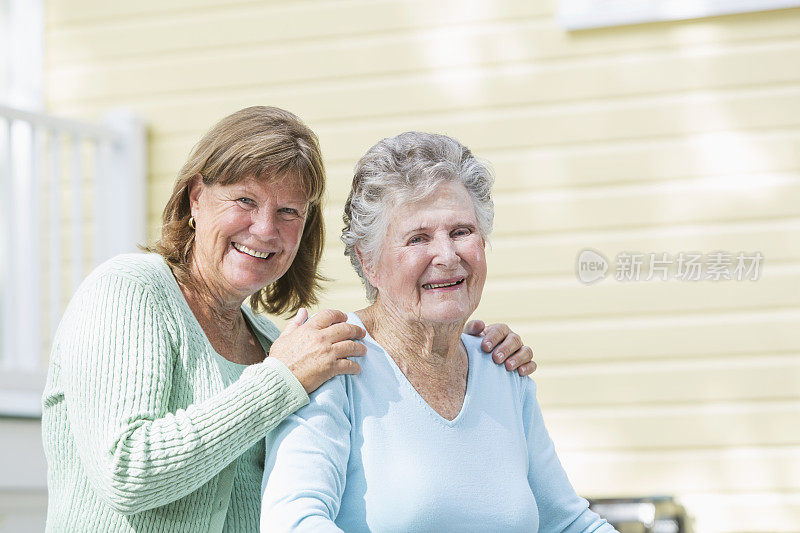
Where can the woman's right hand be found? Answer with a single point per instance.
(316, 349)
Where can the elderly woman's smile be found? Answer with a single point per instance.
(432, 265)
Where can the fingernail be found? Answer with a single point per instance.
(498, 356)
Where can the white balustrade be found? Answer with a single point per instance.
(91, 211)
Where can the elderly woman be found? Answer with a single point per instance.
(403, 446)
(160, 391)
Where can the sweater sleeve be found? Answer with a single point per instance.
(117, 368)
(306, 464)
(561, 510)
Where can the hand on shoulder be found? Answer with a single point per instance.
(316, 349)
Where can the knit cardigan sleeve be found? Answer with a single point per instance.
(117, 364)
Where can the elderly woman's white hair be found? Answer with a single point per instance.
(402, 169)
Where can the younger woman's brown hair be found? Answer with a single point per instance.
(266, 143)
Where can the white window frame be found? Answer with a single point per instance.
(587, 14)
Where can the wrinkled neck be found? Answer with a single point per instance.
(414, 342)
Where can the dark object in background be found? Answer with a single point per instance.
(655, 514)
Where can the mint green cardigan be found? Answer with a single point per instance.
(145, 426)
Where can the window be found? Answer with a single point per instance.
(585, 14)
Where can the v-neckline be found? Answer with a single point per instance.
(471, 371)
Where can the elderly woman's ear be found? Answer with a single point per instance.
(367, 267)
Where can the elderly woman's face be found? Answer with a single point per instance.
(247, 233)
(432, 265)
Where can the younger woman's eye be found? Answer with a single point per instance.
(246, 201)
(289, 212)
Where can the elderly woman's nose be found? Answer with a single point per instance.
(444, 251)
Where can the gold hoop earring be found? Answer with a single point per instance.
(191, 223)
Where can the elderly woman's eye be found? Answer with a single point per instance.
(246, 201)
(461, 232)
(416, 239)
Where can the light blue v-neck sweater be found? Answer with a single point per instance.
(369, 454)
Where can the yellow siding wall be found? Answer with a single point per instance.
(669, 137)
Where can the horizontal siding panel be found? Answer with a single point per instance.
(296, 62)
(568, 124)
(90, 11)
(757, 378)
(452, 49)
(240, 26)
(704, 155)
(643, 337)
(687, 202)
(694, 426)
(176, 107)
(609, 474)
(557, 341)
(696, 201)
(348, 14)
(548, 255)
(640, 161)
(617, 162)
(777, 287)
(778, 241)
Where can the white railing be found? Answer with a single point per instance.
(72, 194)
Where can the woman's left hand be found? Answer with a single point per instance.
(507, 346)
